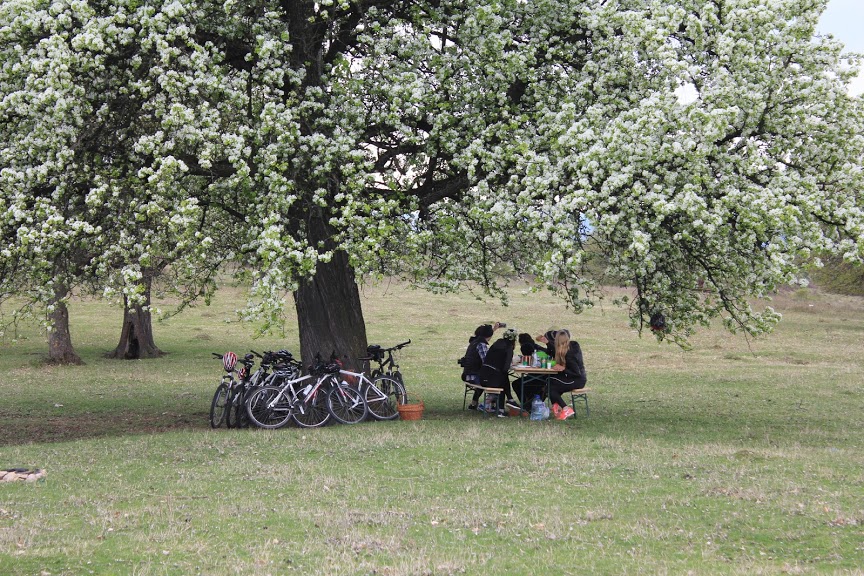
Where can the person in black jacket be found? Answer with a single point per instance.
(571, 373)
(475, 355)
(495, 369)
(528, 347)
(548, 340)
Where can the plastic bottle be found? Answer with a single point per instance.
(537, 406)
(491, 403)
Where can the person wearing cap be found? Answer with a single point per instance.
(475, 355)
(494, 372)
(548, 340)
(571, 374)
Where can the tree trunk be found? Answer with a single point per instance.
(136, 337)
(329, 315)
(60, 350)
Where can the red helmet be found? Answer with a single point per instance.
(229, 360)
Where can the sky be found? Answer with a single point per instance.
(844, 19)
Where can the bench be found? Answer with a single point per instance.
(469, 387)
(580, 395)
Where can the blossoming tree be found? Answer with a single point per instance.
(437, 140)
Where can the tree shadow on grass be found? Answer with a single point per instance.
(31, 429)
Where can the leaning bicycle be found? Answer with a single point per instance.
(271, 405)
(235, 412)
(219, 406)
(381, 395)
(387, 365)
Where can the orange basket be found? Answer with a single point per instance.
(410, 411)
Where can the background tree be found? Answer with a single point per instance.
(438, 140)
(82, 204)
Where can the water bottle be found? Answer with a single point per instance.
(537, 406)
(491, 403)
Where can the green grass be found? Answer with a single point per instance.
(732, 458)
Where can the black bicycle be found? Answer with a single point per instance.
(220, 406)
(235, 414)
(387, 365)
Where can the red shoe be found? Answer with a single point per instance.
(556, 409)
(565, 413)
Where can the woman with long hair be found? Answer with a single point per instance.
(571, 373)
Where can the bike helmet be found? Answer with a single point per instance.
(229, 360)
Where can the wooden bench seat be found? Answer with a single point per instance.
(469, 387)
(581, 395)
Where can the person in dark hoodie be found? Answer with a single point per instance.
(571, 375)
(548, 340)
(527, 347)
(496, 367)
(475, 355)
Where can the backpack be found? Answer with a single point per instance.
(471, 362)
(657, 322)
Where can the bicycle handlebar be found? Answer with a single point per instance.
(397, 346)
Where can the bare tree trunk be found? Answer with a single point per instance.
(60, 350)
(136, 336)
(329, 314)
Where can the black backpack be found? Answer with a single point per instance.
(471, 362)
(657, 322)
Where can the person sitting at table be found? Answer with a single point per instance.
(475, 355)
(493, 373)
(527, 347)
(571, 374)
(548, 339)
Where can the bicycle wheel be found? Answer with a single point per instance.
(383, 397)
(346, 404)
(311, 411)
(244, 419)
(234, 398)
(238, 414)
(268, 408)
(218, 407)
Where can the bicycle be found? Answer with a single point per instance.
(345, 402)
(235, 412)
(386, 367)
(328, 398)
(381, 394)
(282, 362)
(219, 406)
(271, 405)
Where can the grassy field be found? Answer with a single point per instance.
(731, 458)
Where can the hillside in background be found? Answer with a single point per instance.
(838, 277)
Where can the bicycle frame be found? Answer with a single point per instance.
(380, 403)
(310, 392)
(364, 381)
